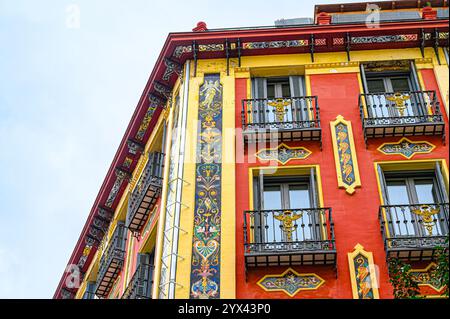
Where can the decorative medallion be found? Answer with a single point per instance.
(362, 274)
(345, 155)
(426, 277)
(205, 263)
(283, 153)
(290, 282)
(406, 148)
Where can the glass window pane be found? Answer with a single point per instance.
(299, 196)
(270, 91)
(400, 84)
(375, 85)
(271, 226)
(286, 90)
(272, 197)
(425, 192)
(397, 192)
(400, 216)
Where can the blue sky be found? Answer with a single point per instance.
(66, 96)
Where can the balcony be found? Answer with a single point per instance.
(111, 262)
(412, 232)
(404, 113)
(285, 119)
(146, 193)
(289, 237)
(140, 285)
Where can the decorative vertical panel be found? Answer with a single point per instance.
(362, 274)
(345, 155)
(205, 264)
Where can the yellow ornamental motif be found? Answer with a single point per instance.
(399, 100)
(427, 213)
(279, 105)
(287, 219)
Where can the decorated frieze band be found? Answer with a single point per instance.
(280, 44)
(206, 241)
(283, 154)
(345, 155)
(406, 148)
(290, 282)
(362, 274)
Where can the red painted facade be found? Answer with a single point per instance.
(355, 216)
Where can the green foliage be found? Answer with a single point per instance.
(405, 287)
(441, 271)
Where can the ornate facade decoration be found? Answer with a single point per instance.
(171, 68)
(275, 44)
(362, 274)
(182, 49)
(283, 153)
(345, 155)
(120, 177)
(427, 212)
(425, 277)
(205, 263)
(384, 39)
(154, 103)
(290, 282)
(211, 47)
(162, 89)
(406, 148)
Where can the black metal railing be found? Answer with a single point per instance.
(293, 230)
(111, 262)
(140, 285)
(411, 112)
(421, 226)
(146, 192)
(282, 114)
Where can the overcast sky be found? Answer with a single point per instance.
(67, 92)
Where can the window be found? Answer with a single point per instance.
(287, 208)
(289, 92)
(392, 89)
(411, 198)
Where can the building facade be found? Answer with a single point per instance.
(280, 162)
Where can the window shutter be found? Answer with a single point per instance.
(314, 190)
(363, 78)
(259, 91)
(143, 287)
(441, 183)
(297, 85)
(382, 185)
(414, 77)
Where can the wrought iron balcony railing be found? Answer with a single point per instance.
(289, 237)
(413, 232)
(111, 262)
(406, 113)
(146, 193)
(140, 285)
(285, 119)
